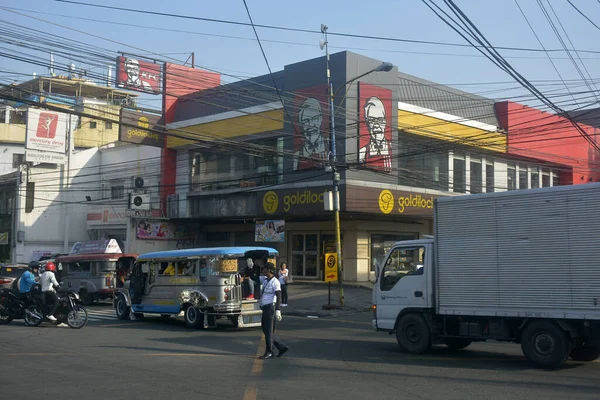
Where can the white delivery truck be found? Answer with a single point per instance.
(519, 266)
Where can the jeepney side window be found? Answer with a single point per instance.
(166, 268)
(186, 268)
(80, 267)
(402, 262)
(152, 273)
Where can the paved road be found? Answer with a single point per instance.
(331, 358)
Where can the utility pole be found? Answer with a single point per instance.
(67, 184)
(336, 175)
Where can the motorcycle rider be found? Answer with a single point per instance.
(48, 281)
(28, 279)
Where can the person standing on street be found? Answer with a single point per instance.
(270, 302)
(283, 274)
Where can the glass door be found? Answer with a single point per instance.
(305, 255)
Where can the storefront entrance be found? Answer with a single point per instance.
(305, 255)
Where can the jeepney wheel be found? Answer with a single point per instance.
(121, 309)
(194, 318)
(86, 298)
(235, 321)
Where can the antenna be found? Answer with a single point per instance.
(51, 64)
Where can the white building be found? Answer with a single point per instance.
(55, 209)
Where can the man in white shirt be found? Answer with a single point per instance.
(270, 302)
(48, 282)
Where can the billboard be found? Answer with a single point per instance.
(139, 133)
(160, 230)
(375, 127)
(46, 130)
(138, 75)
(311, 127)
(96, 247)
(271, 230)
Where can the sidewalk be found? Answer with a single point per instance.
(310, 299)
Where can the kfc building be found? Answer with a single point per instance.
(251, 171)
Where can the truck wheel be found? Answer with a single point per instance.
(545, 344)
(413, 334)
(585, 353)
(121, 309)
(194, 318)
(457, 343)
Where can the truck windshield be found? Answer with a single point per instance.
(400, 263)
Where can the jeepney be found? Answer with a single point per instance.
(204, 284)
(90, 268)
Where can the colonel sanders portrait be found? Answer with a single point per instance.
(310, 118)
(132, 69)
(377, 152)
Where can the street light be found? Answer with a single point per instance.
(383, 67)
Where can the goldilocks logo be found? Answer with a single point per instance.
(270, 202)
(387, 202)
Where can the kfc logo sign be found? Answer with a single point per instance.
(142, 76)
(47, 131)
(47, 125)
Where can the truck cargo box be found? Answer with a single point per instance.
(520, 253)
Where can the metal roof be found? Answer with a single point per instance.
(434, 96)
(210, 251)
(589, 117)
(232, 96)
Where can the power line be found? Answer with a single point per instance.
(281, 28)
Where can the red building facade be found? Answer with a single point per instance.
(544, 136)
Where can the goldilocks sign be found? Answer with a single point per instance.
(292, 201)
(389, 202)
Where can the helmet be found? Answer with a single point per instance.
(50, 267)
(34, 265)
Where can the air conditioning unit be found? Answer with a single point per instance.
(138, 182)
(139, 201)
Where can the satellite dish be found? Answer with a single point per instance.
(322, 44)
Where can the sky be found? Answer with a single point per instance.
(234, 51)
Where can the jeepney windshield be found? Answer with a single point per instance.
(106, 266)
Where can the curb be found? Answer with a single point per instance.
(326, 313)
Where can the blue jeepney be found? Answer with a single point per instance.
(204, 284)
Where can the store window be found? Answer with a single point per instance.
(523, 181)
(511, 177)
(117, 192)
(535, 178)
(555, 179)
(545, 178)
(489, 178)
(305, 255)
(459, 175)
(475, 181)
(381, 244)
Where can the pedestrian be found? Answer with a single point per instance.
(270, 302)
(283, 274)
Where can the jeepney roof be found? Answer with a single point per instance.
(210, 251)
(94, 257)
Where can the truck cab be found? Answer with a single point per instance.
(404, 283)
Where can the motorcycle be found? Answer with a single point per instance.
(34, 311)
(12, 306)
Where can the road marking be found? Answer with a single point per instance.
(251, 392)
(196, 355)
(39, 354)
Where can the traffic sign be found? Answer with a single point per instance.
(331, 267)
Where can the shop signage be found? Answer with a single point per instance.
(36, 156)
(331, 267)
(46, 131)
(3, 237)
(112, 216)
(272, 230)
(139, 75)
(139, 128)
(292, 201)
(160, 230)
(96, 247)
(389, 202)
